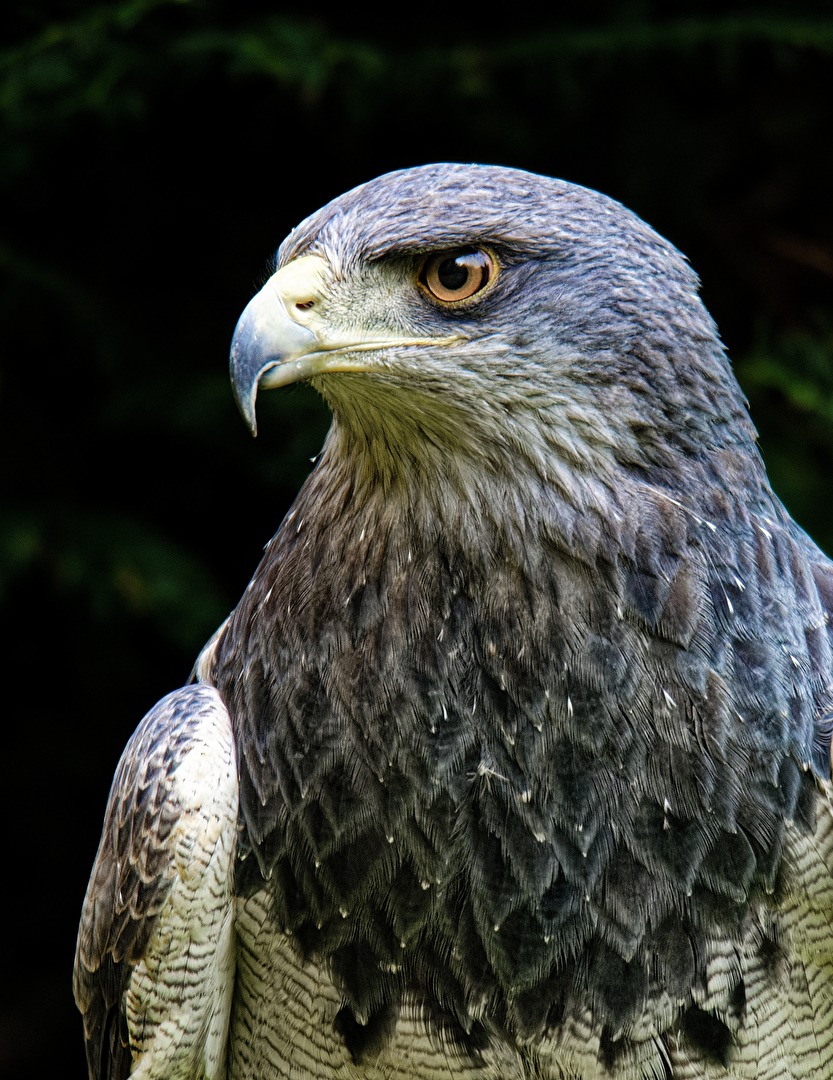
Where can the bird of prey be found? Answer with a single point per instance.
(513, 761)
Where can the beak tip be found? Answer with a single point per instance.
(245, 399)
(245, 371)
(246, 407)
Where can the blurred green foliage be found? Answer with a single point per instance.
(155, 152)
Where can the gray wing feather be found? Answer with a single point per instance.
(154, 965)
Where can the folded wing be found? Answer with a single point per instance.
(154, 965)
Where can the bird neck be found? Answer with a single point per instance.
(494, 504)
(499, 501)
(436, 457)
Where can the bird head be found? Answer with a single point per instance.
(489, 315)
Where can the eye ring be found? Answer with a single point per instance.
(457, 274)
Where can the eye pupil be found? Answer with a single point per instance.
(451, 276)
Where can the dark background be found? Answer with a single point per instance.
(153, 155)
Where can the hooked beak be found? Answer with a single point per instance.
(273, 336)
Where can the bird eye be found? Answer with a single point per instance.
(456, 275)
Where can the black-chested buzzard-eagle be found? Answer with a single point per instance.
(513, 761)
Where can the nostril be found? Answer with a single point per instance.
(304, 305)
